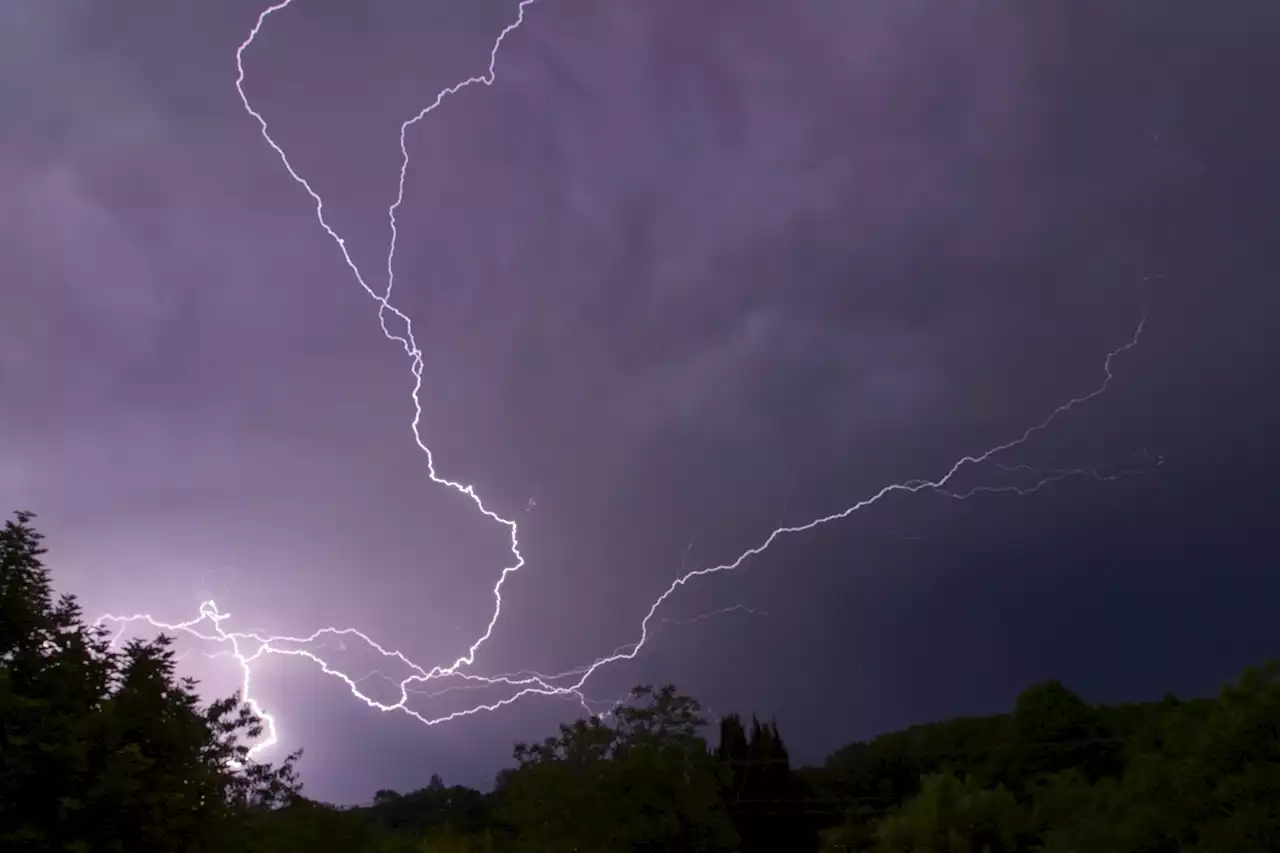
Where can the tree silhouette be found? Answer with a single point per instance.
(106, 749)
(765, 799)
(642, 781)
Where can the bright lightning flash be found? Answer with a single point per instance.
(247, 647)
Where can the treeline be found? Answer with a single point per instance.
(105, 749)
(1059, 775)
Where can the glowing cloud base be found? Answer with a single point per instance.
(248, 647)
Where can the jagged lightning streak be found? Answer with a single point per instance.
(246, 647)
(385, 307)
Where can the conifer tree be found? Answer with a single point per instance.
(764, 797)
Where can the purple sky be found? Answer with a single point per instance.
(687, 272)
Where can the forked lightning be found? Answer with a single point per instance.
(247, 647)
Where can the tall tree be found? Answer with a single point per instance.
(644, 780)
(106, 749)
(765, 798)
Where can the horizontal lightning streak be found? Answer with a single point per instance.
(246, 647)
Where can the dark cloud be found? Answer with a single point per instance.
(684, 274)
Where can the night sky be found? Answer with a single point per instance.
(686, 273)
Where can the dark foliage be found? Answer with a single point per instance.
(455, 809)
(767, 801)
(642, 780)
(105, 749)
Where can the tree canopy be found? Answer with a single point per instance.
(642, 779)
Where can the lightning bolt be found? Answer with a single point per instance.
(247, 647)
(385, 307)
